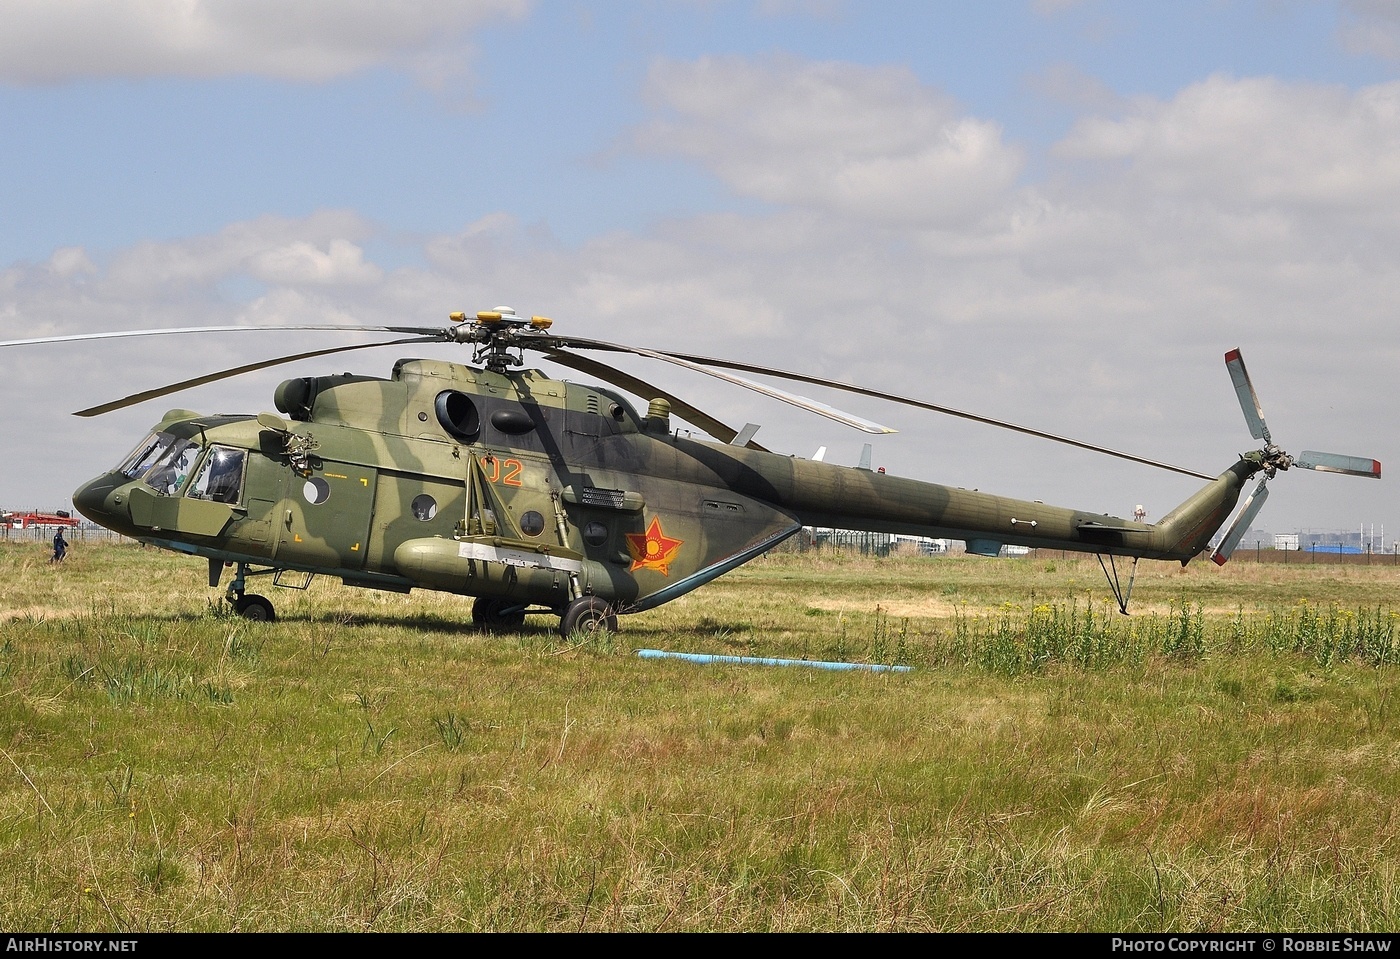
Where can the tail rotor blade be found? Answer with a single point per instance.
(1249, 400)
(1337, 463)
(1241, 524)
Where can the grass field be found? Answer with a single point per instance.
(1223, 759)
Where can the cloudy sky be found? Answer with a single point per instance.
(1056, 213)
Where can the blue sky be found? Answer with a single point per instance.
(1057, 213)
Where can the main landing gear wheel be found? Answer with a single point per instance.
(495, 612)
(587, 615)
(256, 608)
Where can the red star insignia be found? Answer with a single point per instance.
(653, 549)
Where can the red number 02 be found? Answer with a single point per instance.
(512, 475)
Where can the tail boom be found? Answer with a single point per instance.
(828, 496)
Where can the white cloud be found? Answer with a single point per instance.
(44, 41)
(1258, 142)
(70, 261)
(861, 142)
(1371, 27)
(164, 284)
(314, 250)
(342, 262)
(1066, 83)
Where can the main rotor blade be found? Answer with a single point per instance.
(907, 401)
(115, 334)
(1241, 523)
(679, 359)
(639, 387)
(1249, 400)
(145, 395)
(1337, 463)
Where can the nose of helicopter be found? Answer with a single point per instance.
(100, 501)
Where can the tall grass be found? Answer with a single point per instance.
(1223, 759)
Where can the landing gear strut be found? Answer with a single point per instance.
(248, 605)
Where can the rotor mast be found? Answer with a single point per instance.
(493, 333)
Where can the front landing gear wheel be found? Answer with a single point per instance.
(495, 612)
(587, 615)
(256, 608)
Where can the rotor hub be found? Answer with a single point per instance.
(496, 333)
(1274, 460)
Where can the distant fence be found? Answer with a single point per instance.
(1292, 557)
(75, 534)
(1321, 556)
(881, 544)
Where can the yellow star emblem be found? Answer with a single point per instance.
(653, 549)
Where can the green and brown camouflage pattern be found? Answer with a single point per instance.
(512, 484)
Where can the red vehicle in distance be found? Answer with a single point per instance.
(34, 519)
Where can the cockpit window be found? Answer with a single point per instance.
(146, 453)
(162, 460)
(220, 476)
(170, 471)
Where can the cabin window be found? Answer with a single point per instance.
(595, 534)
(424, 507)
(220, 477)
(457, 414)
(531, 523)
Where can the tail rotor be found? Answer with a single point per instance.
(1271, 459)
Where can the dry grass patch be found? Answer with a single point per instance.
(369, 762)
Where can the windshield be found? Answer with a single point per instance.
(146, 452)
(162, 460)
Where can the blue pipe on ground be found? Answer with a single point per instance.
(760, 661)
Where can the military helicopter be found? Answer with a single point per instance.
(537, 495)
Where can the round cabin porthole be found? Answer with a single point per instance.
(531, 523)
(316, 491)
(424, 507)
(457, 414)
(595, 534)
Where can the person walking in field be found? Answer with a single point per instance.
(60, 546)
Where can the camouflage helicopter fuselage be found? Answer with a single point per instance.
(529, 491)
